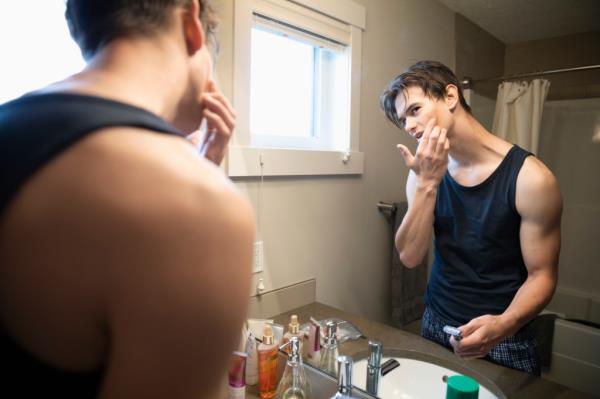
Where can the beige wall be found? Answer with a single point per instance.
(328, 228)
(557, 53)
(479, 55)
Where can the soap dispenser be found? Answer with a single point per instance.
(293, 384)
(329, 352)
(294, 331)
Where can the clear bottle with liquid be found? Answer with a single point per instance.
(329, 351)
(293, 384)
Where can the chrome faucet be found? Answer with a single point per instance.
(374, 366)
(344, 390)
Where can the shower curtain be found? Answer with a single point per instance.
(518, 112)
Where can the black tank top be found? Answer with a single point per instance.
(33, 130)
(478, 266)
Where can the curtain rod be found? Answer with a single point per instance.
(466, 82)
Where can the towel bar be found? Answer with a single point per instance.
(384, 206)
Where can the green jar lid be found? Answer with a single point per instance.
(462, 387)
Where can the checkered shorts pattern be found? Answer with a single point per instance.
(517, 352)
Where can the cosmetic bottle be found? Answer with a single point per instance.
(237, 376)
(267, 365)
(252, 360)
(293, 384)
(313, 350)
(294, 331)
(329, 352)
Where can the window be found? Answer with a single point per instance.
(296, 102)
(37, 48)
(298, 89)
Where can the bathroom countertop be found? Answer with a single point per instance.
(514, 384)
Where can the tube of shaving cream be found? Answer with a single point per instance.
(314, 342)
(237, 376)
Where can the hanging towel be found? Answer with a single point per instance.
(408, 285)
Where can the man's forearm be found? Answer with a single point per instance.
(529, 301)
(414, 235)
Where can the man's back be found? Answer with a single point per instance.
(127, 238)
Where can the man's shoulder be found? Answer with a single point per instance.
(534, 174)
(537, 189)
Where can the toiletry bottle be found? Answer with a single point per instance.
(267, 365)
(329, 352)
(237, 376)
(313, 350)
(294, 331)
(252, 360)
(293, 384)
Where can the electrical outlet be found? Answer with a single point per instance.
(258, 257)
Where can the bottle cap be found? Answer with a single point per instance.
(267, 335)
(294, 326)
(462, 387)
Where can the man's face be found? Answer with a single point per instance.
(415, 109)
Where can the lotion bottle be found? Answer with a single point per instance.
(267, 364)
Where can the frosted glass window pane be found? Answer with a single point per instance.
(281, 88)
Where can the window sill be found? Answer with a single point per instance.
(246, 162)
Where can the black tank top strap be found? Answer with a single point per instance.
(37, 127)
(516, 157)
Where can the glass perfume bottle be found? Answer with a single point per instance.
(329, 351)
(293, 384)
(267, 364)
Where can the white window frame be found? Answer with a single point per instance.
(344, 21)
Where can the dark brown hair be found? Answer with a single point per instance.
(431, 76)
(94, 23)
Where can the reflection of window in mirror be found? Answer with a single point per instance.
(297, 104)
(37, 48)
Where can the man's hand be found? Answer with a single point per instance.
(431, 158)
(480, 335)
(220, 122)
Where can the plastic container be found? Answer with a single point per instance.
(462, 387)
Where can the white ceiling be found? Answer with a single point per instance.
(513, 21)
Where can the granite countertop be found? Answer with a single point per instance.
(514, 384)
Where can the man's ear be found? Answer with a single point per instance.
(192, 28)
(452, 97)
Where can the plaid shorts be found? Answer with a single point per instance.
(518, 352)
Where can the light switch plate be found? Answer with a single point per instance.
(258, 257)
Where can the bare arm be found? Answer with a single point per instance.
(539, 203)
(414, 234)
(427, 168)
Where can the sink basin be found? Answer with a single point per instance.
(420, 376)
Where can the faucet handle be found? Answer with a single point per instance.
(331, 332)
(375, 352)
(345, 374)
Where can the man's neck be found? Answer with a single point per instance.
(470, 141)
(142, 73)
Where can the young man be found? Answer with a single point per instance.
(495, 211)
(124, 255)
